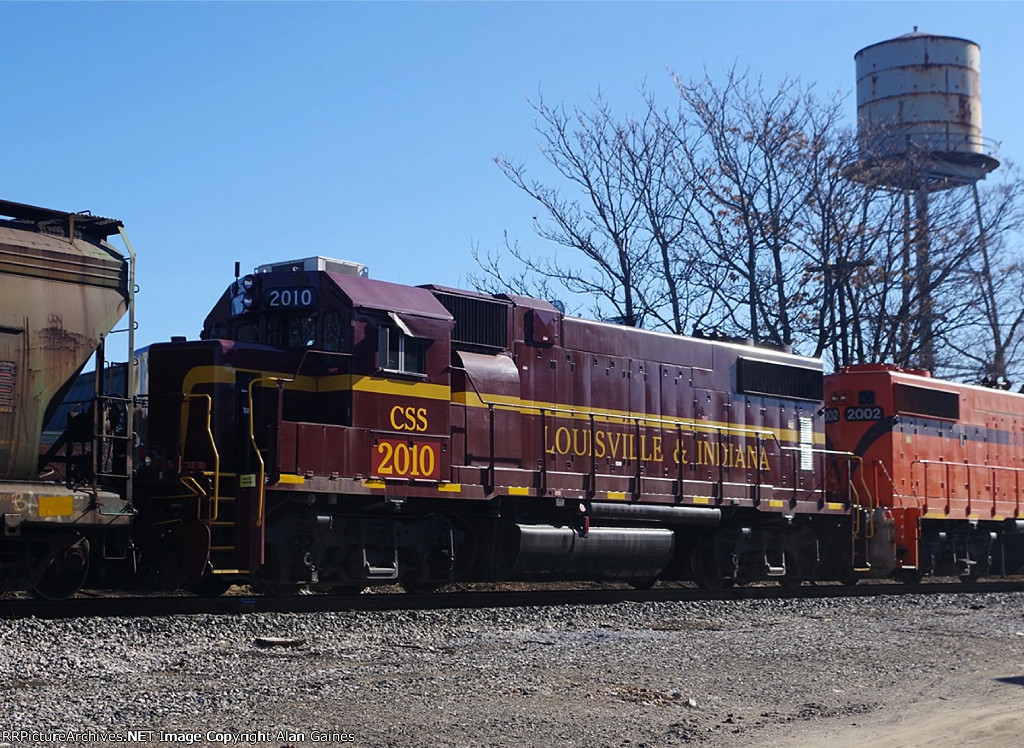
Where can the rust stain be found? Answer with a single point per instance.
(56, 337)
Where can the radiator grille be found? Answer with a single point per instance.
(922, 402)
(780, 380)
(478, 321)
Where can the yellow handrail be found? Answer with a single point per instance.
(215, 504)
(261, 480)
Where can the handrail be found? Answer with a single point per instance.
(677, 424)
(215, 505)
(680, 494)
(261, 504)
(198, 491)
(639, 472)
(129, 374)
(490, 416)
(994, 471)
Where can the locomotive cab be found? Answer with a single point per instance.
(313, 388)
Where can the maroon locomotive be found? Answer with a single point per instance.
(336, 431)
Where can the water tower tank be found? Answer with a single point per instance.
(919, 97)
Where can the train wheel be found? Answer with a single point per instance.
(66, 573)
(908, 576)
(278, 589)
(643, 584)
(705, 568)
(339, 589)
(793, 577)
(212, 585)
(415, 586)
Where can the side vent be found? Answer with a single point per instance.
(7, 371)
(922, 402)
(778, 380)
(479, 322)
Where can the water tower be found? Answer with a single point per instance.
(919, 131)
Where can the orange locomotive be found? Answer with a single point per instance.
(941, 468)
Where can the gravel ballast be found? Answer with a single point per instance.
(794, 672)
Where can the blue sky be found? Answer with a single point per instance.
(270, 131)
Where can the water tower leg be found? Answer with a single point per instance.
(926, 312)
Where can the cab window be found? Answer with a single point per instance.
(292, 332)
(401, 353)
(333, 331)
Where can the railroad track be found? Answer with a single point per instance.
(84, 606)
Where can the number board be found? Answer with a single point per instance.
(407, 458)
(300, 297)
(863, 413)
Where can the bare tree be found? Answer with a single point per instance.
(988, 343)
(591, 152)
(734, 212)
(919, 309)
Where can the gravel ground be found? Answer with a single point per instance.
(918, 670)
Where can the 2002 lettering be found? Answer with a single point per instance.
(864, 413)
(406, 461)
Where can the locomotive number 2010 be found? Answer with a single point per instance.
(399, 458)
(290, 298)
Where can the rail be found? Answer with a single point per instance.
(214, 511)
(992, 487)
(131, 364)
(760, 435)
(262, 472)
(234, 605)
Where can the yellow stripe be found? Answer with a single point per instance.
(833, 505)
(342, 382)
(374, 484)
(701, 500)
(450, 487)
(518, 491)
(424, 390)
(600, 415)
(294, 479)
(474, 400)
(400, 388)
(774, 503)
(617, 495)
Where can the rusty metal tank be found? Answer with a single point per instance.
(62, 289)
(919, 95)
